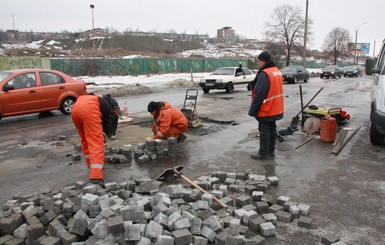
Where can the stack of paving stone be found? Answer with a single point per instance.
(144, 211)
(155, 149)
(119, 155)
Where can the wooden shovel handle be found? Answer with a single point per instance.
(219, 202)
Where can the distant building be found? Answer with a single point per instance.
(226, 35)
(99, 32)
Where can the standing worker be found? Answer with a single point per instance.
(267, 104)
(115, 117)
(89, 114)
(168, 121)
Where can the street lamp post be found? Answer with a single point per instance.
(374, 46)
(305, 36)
(93, 28)
(355, 44)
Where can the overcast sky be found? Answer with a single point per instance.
(247, 17)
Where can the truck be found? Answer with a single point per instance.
(376, 67)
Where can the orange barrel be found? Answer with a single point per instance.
(328, 129)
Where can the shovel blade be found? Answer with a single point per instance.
(169, 172)
(294, 122)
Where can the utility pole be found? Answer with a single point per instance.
(374, 46)
(305, 36)
(355, 44)
(93, 28)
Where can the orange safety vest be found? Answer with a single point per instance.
(273, 104)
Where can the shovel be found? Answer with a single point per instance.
(176, 171)
(295, 120)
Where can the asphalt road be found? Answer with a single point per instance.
(346, 191)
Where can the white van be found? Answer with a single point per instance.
(376, 67)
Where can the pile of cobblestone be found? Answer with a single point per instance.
(145, 211)
(143, 152)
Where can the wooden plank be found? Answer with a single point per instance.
(314, 135)
(347, 140)
(340, 139)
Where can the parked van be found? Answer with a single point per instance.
(376, 67)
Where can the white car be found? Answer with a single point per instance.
(226, 78)
(377, 111)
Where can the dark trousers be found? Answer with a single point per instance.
(267, 138)
(114, 124)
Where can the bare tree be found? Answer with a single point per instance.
(287, 25)
(336, 43)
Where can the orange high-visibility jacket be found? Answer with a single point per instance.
(87, 115)
(169, 121)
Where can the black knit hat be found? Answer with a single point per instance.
(264, 56)
(152, 106)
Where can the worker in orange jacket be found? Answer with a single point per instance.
(89, 114)
(168, 121)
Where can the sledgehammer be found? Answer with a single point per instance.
(176, 171)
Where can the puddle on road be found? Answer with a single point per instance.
(208, 126)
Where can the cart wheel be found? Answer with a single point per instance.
(196, 123)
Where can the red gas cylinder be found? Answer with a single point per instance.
(328, 129)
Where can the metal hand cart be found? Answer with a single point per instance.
(190, 108)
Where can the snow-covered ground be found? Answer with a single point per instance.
(210, 51)
(151, 80)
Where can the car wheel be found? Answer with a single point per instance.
(306, 79)
(206, 90)
(230, 88)
(339, 76)
(321, 77)
(66, 105)
(375, 137)
(344, 75)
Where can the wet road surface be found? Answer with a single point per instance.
(346, 191)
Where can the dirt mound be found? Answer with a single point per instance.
(120, 90)
(182, 83)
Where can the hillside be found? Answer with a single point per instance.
(118, 46)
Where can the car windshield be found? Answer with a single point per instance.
(224, 71)
(329, 68)
(351, 68)
(4, 75)
(288, 68)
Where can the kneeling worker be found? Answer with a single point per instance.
(89, 114)
(168, 121)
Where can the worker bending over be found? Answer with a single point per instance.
(168, 121)
(89, 114)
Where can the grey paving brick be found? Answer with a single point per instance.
(274, 208)
(284, 216)
(115, 224)
(255, 223)
(182, 237)
(198, 240)
(153, 230)
(304, 208)
(329, 238)
(267, 229)
(35, 231)
(270, 217)
(305, 221)
(208, 233)
(282, 199)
